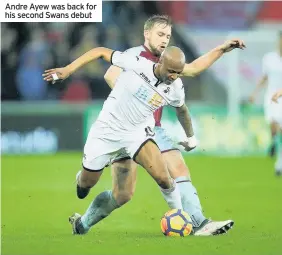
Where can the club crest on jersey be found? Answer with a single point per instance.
(144, 77)
(167, 90)
(156, 101)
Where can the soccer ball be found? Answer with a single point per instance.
(176, 222)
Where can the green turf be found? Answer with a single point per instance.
(38, 195)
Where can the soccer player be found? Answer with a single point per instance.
(157, 33)
(124, 124)
(272, 77)
(277, 99)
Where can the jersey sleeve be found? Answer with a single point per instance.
(125, 60)
(179, 96)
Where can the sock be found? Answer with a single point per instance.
(190, 200)
(278, 143)
(172, 197)
(99, 209)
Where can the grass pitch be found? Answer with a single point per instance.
(38, 195)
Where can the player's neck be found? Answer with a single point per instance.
(149, 49)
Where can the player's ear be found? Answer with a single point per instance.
(146, 34)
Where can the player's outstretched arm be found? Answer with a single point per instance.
(185, 120)
(261, 84)
(204, 62)
(111, 75)
(64, 72)
(277, 95)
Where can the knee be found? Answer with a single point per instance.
(123, 197)
(164, 181)
(179, 170)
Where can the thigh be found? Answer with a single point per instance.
(176, 164)
(124, 176)
(150, 157)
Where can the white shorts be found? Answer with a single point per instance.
(273, 111)
(103, 145)
(163, 140)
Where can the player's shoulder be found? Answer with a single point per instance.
(135, 50)
(178, 84)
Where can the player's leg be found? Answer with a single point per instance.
(269, 109)
(275, 117)
(189, 195)
(180, 173)
(124, 181)
(273, 130)
(278, 143)
(149, 157)
(86, 179)
(97, 154)
(278, 163)
(93, 164)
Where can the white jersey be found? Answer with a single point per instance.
(272, 67)
(142, 51)
(137, 94)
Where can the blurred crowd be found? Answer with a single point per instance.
(30, 48)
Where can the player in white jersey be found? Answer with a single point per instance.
(122, 124)
(272, 77)
(277, 99)
(157, 33)
(124, 172)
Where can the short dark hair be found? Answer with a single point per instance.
(157, 19)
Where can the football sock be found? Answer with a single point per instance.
(172, 196)
(278, 140)
(190, 200)
(99, 209)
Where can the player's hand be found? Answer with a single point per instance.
(233, 44)
(189, 144)
(276, 96)
(56, 74)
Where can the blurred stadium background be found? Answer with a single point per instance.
(40, 118)
(29, 48)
